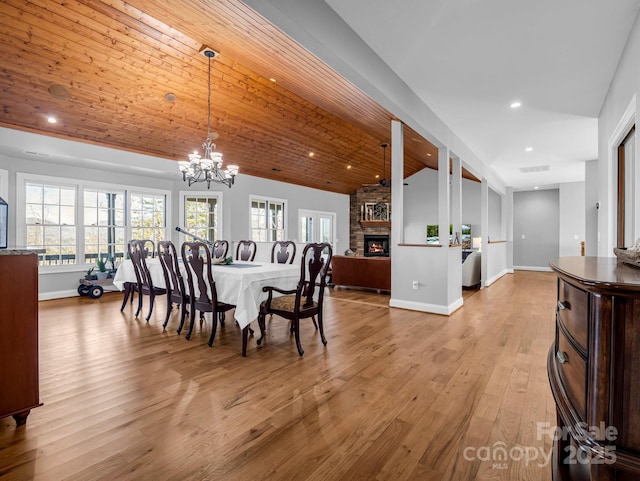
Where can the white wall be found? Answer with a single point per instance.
(536, 231)
(572, 218)
(622, 98)
(591, 207)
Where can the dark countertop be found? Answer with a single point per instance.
(17, 251)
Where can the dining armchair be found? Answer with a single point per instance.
(306, 300)
(202, 288)
(145, 286)
(174, 282)
(246, 250)
(283, 252)
(220, 249)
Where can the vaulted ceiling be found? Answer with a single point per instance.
(105, 68)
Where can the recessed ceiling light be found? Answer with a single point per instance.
(59, 92)
(515, 104)
(529, 149)
(170, 97)
(272, 80)
(428, 155)
(536, 187)
(52, 120)
(310, 154)
(377, 176)
(348, 166)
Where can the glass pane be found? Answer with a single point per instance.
(51, 214)
(103, 217)
(90, 235)
(52, 235)
(136, 218)
(119, 201)
(118, 217)
(68, 236)
(51, 195)
(90, 216)
(67, 196)
(34, 214)
(35, 236)
(34, 194)
(104, 200)
(90, 198)
(67, 215)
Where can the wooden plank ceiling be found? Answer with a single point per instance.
(103, 68)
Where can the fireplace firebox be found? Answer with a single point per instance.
(376, 245)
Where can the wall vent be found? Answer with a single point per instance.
(535, 168)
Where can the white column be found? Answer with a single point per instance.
(443, 196)
(456, 197)
(484, 229)
(397, 184)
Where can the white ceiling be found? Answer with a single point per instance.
(469, 59)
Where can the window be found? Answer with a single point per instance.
(267, 220)
(50, 221)
(147, 216)
(104, 224)
(201, 215)
(316, 226)
(78, 222)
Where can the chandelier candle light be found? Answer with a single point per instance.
(209, 167)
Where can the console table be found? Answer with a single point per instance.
(19, 388)
(594, 370)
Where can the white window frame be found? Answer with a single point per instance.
(207, 194)
(316, 214)
(285, 215)
(20, 202)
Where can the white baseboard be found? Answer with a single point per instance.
(46, 296)
(532, 268)
(493, 279)
(424, 307)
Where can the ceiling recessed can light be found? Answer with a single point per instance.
(52, 120)
(529, 149)
(310, 154)
(170, 97)
(515, 104)
(272, 80)
(536, 187)
(348, 166)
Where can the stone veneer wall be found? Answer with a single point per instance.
(372, 193)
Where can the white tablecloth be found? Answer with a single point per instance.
(240, 286)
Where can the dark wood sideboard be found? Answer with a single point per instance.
(19, 376)
(594, 370)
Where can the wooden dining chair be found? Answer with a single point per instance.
(220, 249)
(299, 303)
(174, 282)
(145, 285)
(202, 288)
(246, 250)
(283, 252)
(130, 288)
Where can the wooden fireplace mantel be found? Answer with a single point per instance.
(369, 224)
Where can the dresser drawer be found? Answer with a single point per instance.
(573, 311)
(573, 372)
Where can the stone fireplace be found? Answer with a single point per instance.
(370, 215)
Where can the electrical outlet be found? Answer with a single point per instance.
(415, 284)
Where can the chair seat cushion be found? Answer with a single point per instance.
(285, 303)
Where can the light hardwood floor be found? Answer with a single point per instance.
(395, 395)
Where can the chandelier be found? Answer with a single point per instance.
(207, 168)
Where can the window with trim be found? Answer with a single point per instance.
(50, 222)
(267, 220)
(147, 213)
(104, 225)
(201, 216)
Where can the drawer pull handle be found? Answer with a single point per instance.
(562, 306)
(562, 357)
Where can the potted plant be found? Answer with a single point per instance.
(112, 268)
(102, 269)
(90, 276)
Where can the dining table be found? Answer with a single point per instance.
(239, 283)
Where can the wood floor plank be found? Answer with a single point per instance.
(395, 395)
